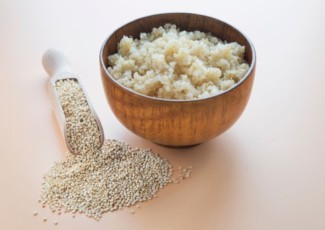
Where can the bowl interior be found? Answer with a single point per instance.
(185, 21)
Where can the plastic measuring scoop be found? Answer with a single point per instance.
(57, 66)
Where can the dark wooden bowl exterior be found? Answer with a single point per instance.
(172, 122)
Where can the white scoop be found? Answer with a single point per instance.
(57, 66)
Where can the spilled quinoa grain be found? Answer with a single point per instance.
(105, 180)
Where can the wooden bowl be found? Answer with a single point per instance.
(177, 122)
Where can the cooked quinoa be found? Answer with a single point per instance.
(173, 64)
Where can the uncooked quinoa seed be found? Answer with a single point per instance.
(105, 180)
(100, 180)
(83, 132)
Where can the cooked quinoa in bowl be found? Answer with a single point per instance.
(173, 64)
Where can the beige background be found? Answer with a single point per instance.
(266, 172)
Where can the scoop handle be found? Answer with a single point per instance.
(55, 61)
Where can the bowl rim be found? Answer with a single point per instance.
(250, 70)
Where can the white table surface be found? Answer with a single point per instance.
(267, 172)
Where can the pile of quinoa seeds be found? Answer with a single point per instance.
(96, 180)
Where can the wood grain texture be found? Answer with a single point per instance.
(171, 122)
